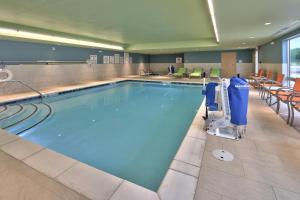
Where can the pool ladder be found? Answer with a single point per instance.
(16, 118)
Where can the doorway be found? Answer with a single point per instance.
(228, 64)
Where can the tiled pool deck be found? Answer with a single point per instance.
(266, 166)
(179, 183)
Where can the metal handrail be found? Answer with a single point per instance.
(24, 84)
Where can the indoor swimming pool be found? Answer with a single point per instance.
(130, 129)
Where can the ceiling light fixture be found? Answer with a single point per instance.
(244, 43)
(56, 39)
(268, 23)
(213, 19)
(252, 37)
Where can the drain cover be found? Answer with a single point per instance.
(223, 155)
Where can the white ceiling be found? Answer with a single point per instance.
(157, 26)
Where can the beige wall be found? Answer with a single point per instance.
(43, 76)
(162, 68)
(245, 69)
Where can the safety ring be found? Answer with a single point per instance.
(8, 73)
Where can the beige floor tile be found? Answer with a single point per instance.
(234, 167)
(227, 198)
(131, 191)
(6, 137)
(196, 131)
(235, 187)
(185, 168)
(21, 149)
(191, 151)
(260, 158)
(203, 194)
(177, 186)
(51, 185)
(93, 183)
(49, 162)
(15, 186)
(282, 194)
(276, 178)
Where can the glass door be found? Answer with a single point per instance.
(294, 57)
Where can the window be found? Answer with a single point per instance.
(294, 57)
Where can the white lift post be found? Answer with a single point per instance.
(221, 126)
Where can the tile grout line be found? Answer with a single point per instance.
(196, 138)
(34, 153)
(116, 189)
(186, 162)
(68, 168)
(274, 192)
(183, 173)
(10, 141)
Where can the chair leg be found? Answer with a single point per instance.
(269, 98)
(264, 96)
(278, 105)
(263, 93)
(289, 112)
(292, 117)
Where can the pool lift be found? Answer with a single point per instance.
(220, 125)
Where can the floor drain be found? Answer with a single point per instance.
(223, 155)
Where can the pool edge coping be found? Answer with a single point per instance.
(163, 190)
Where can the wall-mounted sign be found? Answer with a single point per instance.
(93, 59)
(105, 59)
(178, 60)
(121, 60)
(117, 58)
(111, 60)
(126, 58)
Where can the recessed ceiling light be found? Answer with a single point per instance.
(53, 38)
(268, 23)
(251, 37)
(212, 15)
(244, 43)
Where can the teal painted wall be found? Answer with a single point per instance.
(215, 56)
(31, 52)
(203, 57)
(268, 53)
(165, 58)
(28, 51)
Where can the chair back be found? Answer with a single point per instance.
(297, 85)
(197, 70)
(280, 78)
(181, 70)
(270, 75)
(260, 72)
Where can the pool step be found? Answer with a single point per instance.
(31, 116)
(3, 108)
(10, 111)
(27, 111)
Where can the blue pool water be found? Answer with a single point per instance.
(131, 129)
